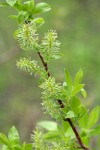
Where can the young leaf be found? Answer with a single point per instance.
(3, 139)
(48, 125)
(13, 16)
(27, 146)
(32, 2)
(95, 131)
(77, 89)
(70, 134)
(22, 16)
(60, 130)
(82, 111)
(68, 79)
(29, 5)
(65, 125)
(83, 114)
(39, 21)
(11, 2)
(85, 139)
(94, 116)
(78, 77)
(13, 135)
(70, 114)
(75, 103)
(83, 92)
(51, 134)
(19, 7)
(41, 8)
(84, 121)
(4, 4)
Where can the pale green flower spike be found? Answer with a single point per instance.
(27, 36)
(51, 91)
(50, 46)
(31, 66)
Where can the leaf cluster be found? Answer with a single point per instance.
(26, 10)
(12, 141)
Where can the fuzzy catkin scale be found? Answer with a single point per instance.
(26, 36)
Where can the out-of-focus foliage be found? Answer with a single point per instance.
(77, 23)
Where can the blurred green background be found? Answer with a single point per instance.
(78, 25)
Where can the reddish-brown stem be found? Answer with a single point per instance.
(76, 133)
(82, 146)
(44, 64)
(60, 103)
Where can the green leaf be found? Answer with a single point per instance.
(3, 139)
(95, 131)
(41, 8)
(48, 125)
(69, 133)
(68, 79)
(39, 21)
(82, 111)
(19, 7)
(32, 5)
(85, 140)
(84, 121)
(84, 132)
(65, 125)
(4, 4)
(78, 77)
(51, 134)
(77, 89)
(32, 2)
(70, 114)
(22, 16)
(29, 5)
(11, 2)
(13, 16)
(60, 131)
(94, 116)
(13, 135)
(83, 92)
(27, 146)
(75, 103)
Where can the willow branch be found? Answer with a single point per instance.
(82, 146)
(76, 134)
(44, 64)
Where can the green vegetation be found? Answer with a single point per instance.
(74, 125)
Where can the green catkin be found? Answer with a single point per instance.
(27, 36)
(50, 46)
